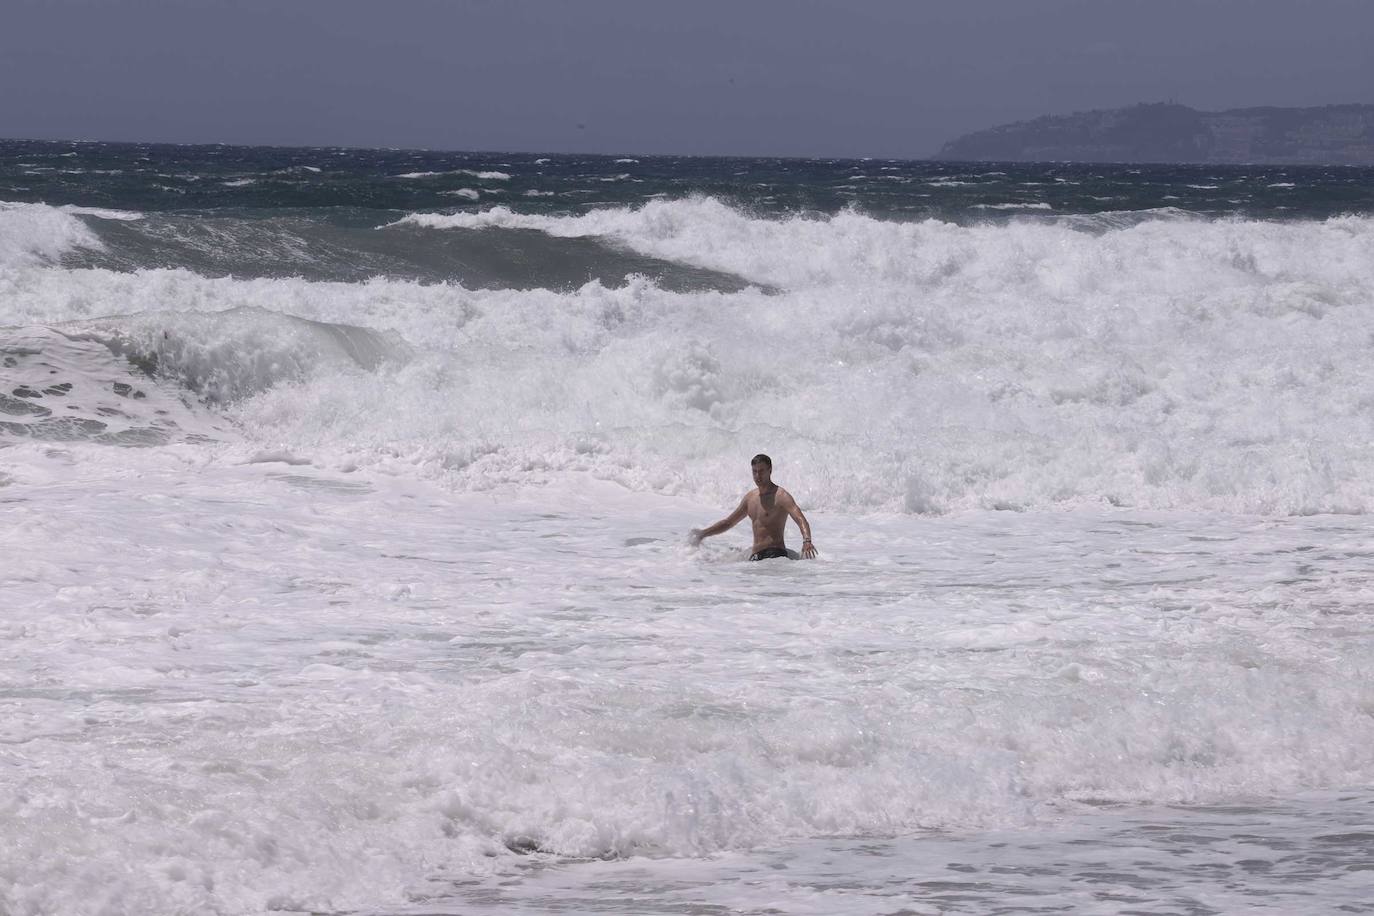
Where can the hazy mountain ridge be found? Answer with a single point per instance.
(1166, 132)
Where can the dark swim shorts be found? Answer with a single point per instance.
(770, 553)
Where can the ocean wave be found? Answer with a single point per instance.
(912, 367)
(225, 356)
(851, 248)
(137, 379)
(33, 234)
(918, 367)
(324, 249)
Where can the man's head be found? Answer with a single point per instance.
(762, 467)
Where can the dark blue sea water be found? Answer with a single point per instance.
(166, 177)
(263, 211)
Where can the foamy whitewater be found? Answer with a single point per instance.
(344, 554)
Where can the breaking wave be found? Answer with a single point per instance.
(912, 367)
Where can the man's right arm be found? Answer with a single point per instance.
(725, 524)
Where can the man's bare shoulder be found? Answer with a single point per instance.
(784, 497)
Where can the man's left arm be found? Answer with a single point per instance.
(808, 549)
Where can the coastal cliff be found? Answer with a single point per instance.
(1164, 132)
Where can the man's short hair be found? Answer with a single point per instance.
(761, 458)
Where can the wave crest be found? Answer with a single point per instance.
(853, 249)
(37, 234)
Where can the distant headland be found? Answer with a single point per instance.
(1166, 132)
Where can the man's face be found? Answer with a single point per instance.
(762, 473)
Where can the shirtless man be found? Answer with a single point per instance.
(768, 507)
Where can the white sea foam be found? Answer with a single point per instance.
(38, 234)
(486, 176)
(303, 687)
(1040, 205)
(73, 384)
(102, 213)
(467, 193)
(1255, 858)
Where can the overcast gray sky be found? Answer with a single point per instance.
(889, 78)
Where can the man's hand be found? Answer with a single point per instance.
(695, 536)
(808, 550)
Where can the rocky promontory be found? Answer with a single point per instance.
(1166, 132)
